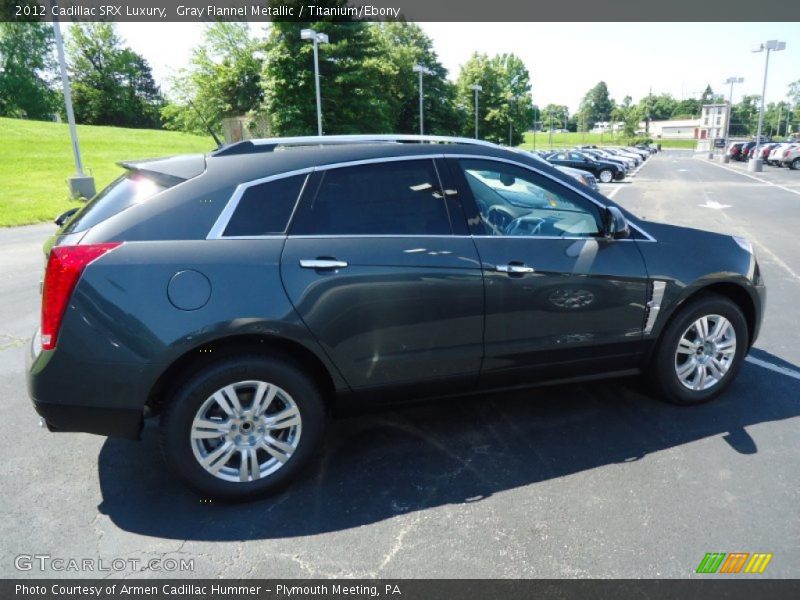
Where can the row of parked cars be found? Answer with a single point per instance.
(776, 154)
(606, 164)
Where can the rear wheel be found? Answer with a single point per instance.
(606, 176)
(700, 351)
(795, 164)
(243, 427)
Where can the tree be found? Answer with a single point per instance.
(26, 70)
(744, 116)
(794, 101)
(596, 105)
(660, 107)
(401, 46)
(504, 102)
(111, 84)
(351, 77)
(222, 80)
(554, 116)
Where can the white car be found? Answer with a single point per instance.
(791, 157)
(775, 154)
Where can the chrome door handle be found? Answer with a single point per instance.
(320, 263)
(514, 269)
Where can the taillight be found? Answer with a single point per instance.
(64, 267)
(786, 153)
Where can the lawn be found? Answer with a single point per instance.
(36, 159)
(545, 141)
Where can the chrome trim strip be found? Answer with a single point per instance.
(227, 212)
(233, 202)
(654, 305)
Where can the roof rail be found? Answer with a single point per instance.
(269, 144)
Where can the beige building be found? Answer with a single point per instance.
(711, 124)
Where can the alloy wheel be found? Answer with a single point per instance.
(705, 352)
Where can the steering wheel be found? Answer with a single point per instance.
(499, 218)
(525, 226)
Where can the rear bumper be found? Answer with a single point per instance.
(112, 422)
(81, 397)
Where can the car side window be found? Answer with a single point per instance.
(513, 201)
(388, 198)
(265, 208)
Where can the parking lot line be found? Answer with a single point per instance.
(775, 368)
(796, 192)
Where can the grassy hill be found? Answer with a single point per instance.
(36, 159)
(570, 140)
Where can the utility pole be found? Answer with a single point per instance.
(80, 184)
(421, 70)
(756, 164)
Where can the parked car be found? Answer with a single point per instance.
(245, 295)
(776, 153)
(764, 151)
(601, 156)
(745, 151)
(585, 177)
(734, 150)
(634, 159)
(791, 157)
(605, 171)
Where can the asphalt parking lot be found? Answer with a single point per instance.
(594, 480)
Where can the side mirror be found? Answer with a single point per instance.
(616, 225)
(64, 217)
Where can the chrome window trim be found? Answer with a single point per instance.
(389, 137)
(233, 203)
(227, 212)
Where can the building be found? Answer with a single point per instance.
(714, 119)
(711, 124)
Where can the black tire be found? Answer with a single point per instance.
(795, 164)
(178, 447)
(663, 366)
(606, 176)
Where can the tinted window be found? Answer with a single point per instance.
(122, 193)
(513, 201)
(265, 208)
(400, 198)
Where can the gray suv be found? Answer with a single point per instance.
(245, 295)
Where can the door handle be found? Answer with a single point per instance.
(514, 269)
(322, 263)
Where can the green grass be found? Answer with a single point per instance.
(570, 140)
(36, 159)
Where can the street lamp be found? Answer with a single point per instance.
(755, 163)
(535, 114)
(422, 70)
(514, 99)
(316, 38)
(80, 184)
(476, 88)
(731, 81)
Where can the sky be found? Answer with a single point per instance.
(567, 59)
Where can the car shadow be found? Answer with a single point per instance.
(374, 467)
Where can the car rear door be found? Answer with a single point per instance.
(377, 271)
(561, 300)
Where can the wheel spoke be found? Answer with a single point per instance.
(288, 417)
(248, 467)
(716, 368)
(686, 368)
(700, 377)
(217, 459)
(203, 429)
(727, 347)
(279, 450)
(701, 325)
(719, 329)
(686, 347)
(265, 394)
(228, 400)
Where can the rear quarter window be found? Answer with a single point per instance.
(265, 208)
(122, 193)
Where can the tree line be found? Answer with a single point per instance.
(367, 80)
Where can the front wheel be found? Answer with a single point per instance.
(606, 176)
(700, 351)
(795, 164)
(243, 427)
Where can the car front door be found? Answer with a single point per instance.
(562, 300)
(376, 271)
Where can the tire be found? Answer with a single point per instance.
(667, 362)
(606, 176)
(254, 455)
(795, 164)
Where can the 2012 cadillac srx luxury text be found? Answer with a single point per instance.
(245, 295)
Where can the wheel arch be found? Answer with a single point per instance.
(211, 351)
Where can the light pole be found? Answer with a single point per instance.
(756, 163)
(535, 115)
(317, 39)
(422, 70)
(80, 184)
(729, 116)
(476, 88)
(511, 99)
